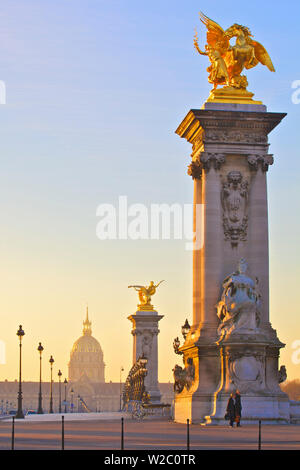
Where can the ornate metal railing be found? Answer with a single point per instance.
(134, 391)
(136, 399)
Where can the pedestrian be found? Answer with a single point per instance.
(230, 410)
(238, 408)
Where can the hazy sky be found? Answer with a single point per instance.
(95, 91)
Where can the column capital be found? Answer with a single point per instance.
(205, 161)
(195, 170)
(212, 159)
(264, 161)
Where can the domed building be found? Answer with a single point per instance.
(86, 358)
(86, 389)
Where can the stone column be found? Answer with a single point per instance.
(196, 254)
(211, 253)
(145, 334)
(207, 258)
(229, 163)
(258, 257)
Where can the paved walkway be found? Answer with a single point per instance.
(144, 435)
(107, 416)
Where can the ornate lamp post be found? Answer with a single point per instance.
(20, 414)
(59, 380)
(40, 409)
(185, 329)
(72, 398)
(65, 383)
(51, 360)
(121, 370)
(176, 346)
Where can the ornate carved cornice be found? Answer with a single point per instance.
(235, 136)
(231, 132)
(197, 120)
(260, 160)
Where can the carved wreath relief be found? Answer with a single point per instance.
(247, 372)
(234, 198)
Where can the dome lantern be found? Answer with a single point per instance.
(87, 330)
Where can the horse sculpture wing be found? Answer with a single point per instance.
(216, 37)
(262, 56)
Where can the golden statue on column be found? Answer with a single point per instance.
(228, 61)
(145, 293)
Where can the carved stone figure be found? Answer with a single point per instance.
(147, 344)
(184, 377)
(238, 308)
(282, 375)
(234, 198)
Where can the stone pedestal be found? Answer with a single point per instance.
(145, 331)
(230, 160)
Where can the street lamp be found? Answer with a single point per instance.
(20, 414)
(185, 329)
(121, 370)
(72, 398)
(176, 346)
(51, 360)
(40, 409)
(59, 380)
(66, 383)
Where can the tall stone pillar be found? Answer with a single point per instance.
(145, 334)
(230, 160)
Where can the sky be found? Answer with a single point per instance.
(94, 92)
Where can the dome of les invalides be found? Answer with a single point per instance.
(86, 358)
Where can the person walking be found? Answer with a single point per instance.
(238, 408)
(230, 410)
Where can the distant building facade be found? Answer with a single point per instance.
(86, 389)
(97, 396)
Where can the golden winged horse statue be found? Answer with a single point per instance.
(145, 293)
(228, 61)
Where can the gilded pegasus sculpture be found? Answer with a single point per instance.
(145, 293)
(227, 61)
